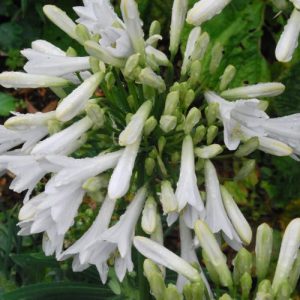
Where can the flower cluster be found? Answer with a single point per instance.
(157, 140)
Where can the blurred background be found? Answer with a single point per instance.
(271, 193)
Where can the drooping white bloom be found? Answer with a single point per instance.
(161, 255)
(187, 191)
(120, 178)
(204, 10)
(288, 41)
(179, 11)
(238, 220)
(268, 89)
(188, 253)
(134, 129)
(75, 102)
(216, 216)
(243, 119)
(50, 60)
(24, 80)
(133, 24)
(288, 253)
(61, 20)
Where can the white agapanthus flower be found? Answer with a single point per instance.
(216, 216)
(243, 119)
(54, 210)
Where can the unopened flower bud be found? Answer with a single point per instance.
(54, 126)
(295, 273)
(227, 77)
(247, 168)
(149, 165)
(210, 268)
(284, 290)
(158, 56)
(209, 152)
(110, 80)
(131, 63)
(199, 134)
(94, 184)
(171, 293)
(242, 264)
(128, 118)
(268, 89)
(192, 119)
(246, 285)
(195, 72)
(171, 103)
(175, 157)
(96, 114)
(189, 98)
(149, 216)
(200, 47)
(167, 197)
(212, 133)
(265, 286)
(71, 52)
(94, 63)
(225, 297)
(216, 57)
(82, 33)
(263, 250)
(167, 123)
(158, 235)
(211, 112)
(150, 125)
(161, 144)
(248, 147)
(155, 28)
(148, 77)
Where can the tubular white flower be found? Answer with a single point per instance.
(161, 255)
(187, 190)
(210, 246)
(61, 20)
(61, 140)
(179, 11)
(288, 253)
(288, 41)
(238, 220)
(134, 129)
(133, 25)
(120, 178)
(24, 80)
(268, 89)
(204, 10)
(75, 102)
(216, 216)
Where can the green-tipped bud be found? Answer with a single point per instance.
(167, 197)
(225, 297)
(200, 166)
(149, 92)
(96, 37)
(161, 144)
(150, 267)
(246, 285)
(149, 216)
(247, 168)
(110, 80)
(171, 293)
(71, 52)
(211, 112)
(171, 103)
(158, 234)
(149, 165)
(96, 114)
(175, 157)
(155, 28)
(54, 126)
(184, 86)
(161, 166)
(199, 134)
(210, 268)
(265, 286)
(82, 33)
(248, 147)
(94, 63)
(195, 72)
(210, 246)
(216, 57)
(284, 291)
(157, 285)
(150, 125)
(189, 98)
(192, 120)
(295, 273)
(94, 184)
(128, 118)
(242, 264)
(158, 57)
(209, 151)
(198, 290)
(227, 77)
(187, 291)
(263, 250)
(167, 123)
(212, 133)
(131, 63)
(148, 77)
(175, 87)
(200, 47)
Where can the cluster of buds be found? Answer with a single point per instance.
(153, 139)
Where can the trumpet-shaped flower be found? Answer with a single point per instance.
(204, 10)
(244, 119)
(288, 41)
(216, 216)
(187, 191)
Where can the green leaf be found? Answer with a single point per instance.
(60, 290)
(7, 104)
(36, 259)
